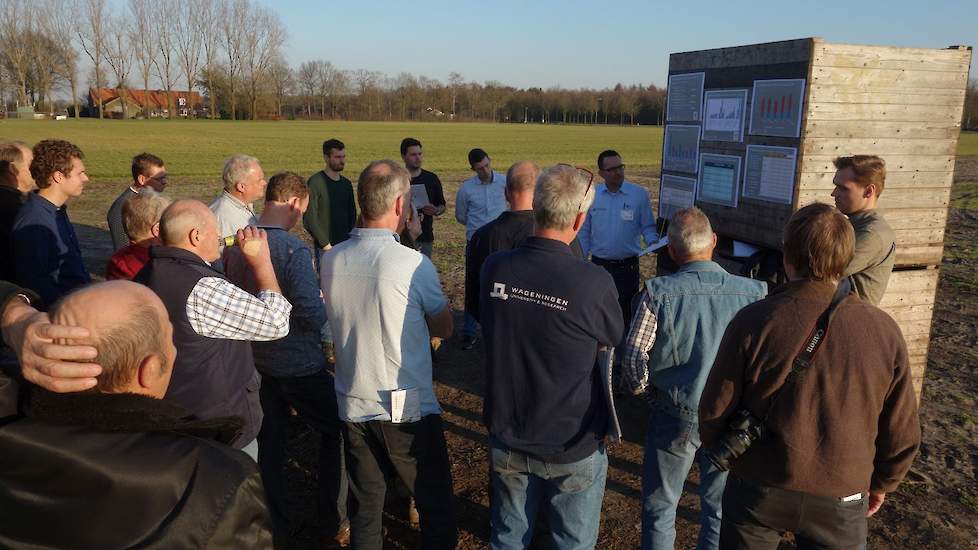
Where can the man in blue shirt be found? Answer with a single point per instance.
(617, 221)
(293, 368)
(684, 315)
(480, 200)
(46, 254)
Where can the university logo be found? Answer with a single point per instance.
(499, 291)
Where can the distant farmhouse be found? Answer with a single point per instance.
(138, 102)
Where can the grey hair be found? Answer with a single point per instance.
(690, 232)
(236, 168)
(142, 211)
(379, 185)
(558, 195)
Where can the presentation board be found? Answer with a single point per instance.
(681, 148)
(684, 98)
(776, 107)
(723, 117)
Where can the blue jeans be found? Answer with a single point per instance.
(470, 327)
(570, 495)
(671, 445)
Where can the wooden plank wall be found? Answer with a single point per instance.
(903, 104)
(909, 299)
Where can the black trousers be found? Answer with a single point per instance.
(314, 398)
(415, 452)
(627, 279)
(755, 516)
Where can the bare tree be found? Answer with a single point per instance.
(281, 78)
(17, 21)
(326, 80)
(307, 86)
(92, 37)
(118, 54)
(264, 35)
(165, 62)
(234, 23)
(211, 14)
(143, 41)
(59, 25)
(189, 24)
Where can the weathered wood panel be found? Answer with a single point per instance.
(879, 57)
(846, 94)
(909, 299)
(822, 164)
(815, 181)
(868, 79)
(847, 130)
(944, 114)
(892, 199)
(787, 51)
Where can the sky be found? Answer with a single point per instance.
(574, 43)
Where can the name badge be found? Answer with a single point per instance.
(627, 215)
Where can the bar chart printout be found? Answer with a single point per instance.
(776, 107)
(684, 97)
(770, 173)
(675, 193)
(681, 147)
(723, 118)
(719, 178)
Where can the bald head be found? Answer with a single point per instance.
(379, 186)
(190, 225)
(520, 181)
(129, 327)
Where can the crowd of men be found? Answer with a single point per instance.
(162, 397)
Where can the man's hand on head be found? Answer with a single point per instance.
(44, 361)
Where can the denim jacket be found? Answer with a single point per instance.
(692, 307)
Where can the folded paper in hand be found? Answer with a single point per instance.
(663, 240)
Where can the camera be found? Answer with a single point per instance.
(743, 430)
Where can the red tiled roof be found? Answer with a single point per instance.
(150, 98)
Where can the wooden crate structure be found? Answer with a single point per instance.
(903, 104)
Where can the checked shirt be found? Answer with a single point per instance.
(218, 309)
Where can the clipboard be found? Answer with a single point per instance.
(419, 196)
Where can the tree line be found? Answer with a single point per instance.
(232, 52)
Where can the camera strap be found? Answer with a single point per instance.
(813, 343)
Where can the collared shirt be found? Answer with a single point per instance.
(616, 222)
(300, 353)
(47, 256)
(114, 218)
(378, 293)
(218, 309)
(478, 203)
(232, 214)
(640, 339)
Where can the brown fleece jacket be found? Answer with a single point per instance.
(847, 425)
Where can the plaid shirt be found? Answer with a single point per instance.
(218, 309)
(641, 338)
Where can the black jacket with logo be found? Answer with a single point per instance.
(544, 314)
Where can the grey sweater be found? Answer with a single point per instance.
(875, 254)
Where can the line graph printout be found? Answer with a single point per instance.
(719, 179)
(723, 115)
(675, 193)
(770, 173)
(776, 107)
(681, 148)
(684, 97)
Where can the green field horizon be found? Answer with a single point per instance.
(196, 149)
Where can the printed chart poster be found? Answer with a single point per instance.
(675, 193)
(719, 178)
(776, 107)
(723, 117)
(681, 149)
(770, 173)
(684, 98)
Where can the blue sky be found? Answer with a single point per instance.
(590, 44)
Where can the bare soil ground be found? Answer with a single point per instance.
(936, 507)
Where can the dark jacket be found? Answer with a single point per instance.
(544, 315)
(847, 424)
(212, 376)
(108, 471)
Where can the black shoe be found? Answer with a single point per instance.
(468, 342)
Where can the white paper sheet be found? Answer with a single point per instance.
(405, 405)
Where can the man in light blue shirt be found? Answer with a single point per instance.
(384, 302)
(619, 218)
(480, 200)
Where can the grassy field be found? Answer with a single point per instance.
(196, 149)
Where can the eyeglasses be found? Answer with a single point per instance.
(613, 168)
(584, 173)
